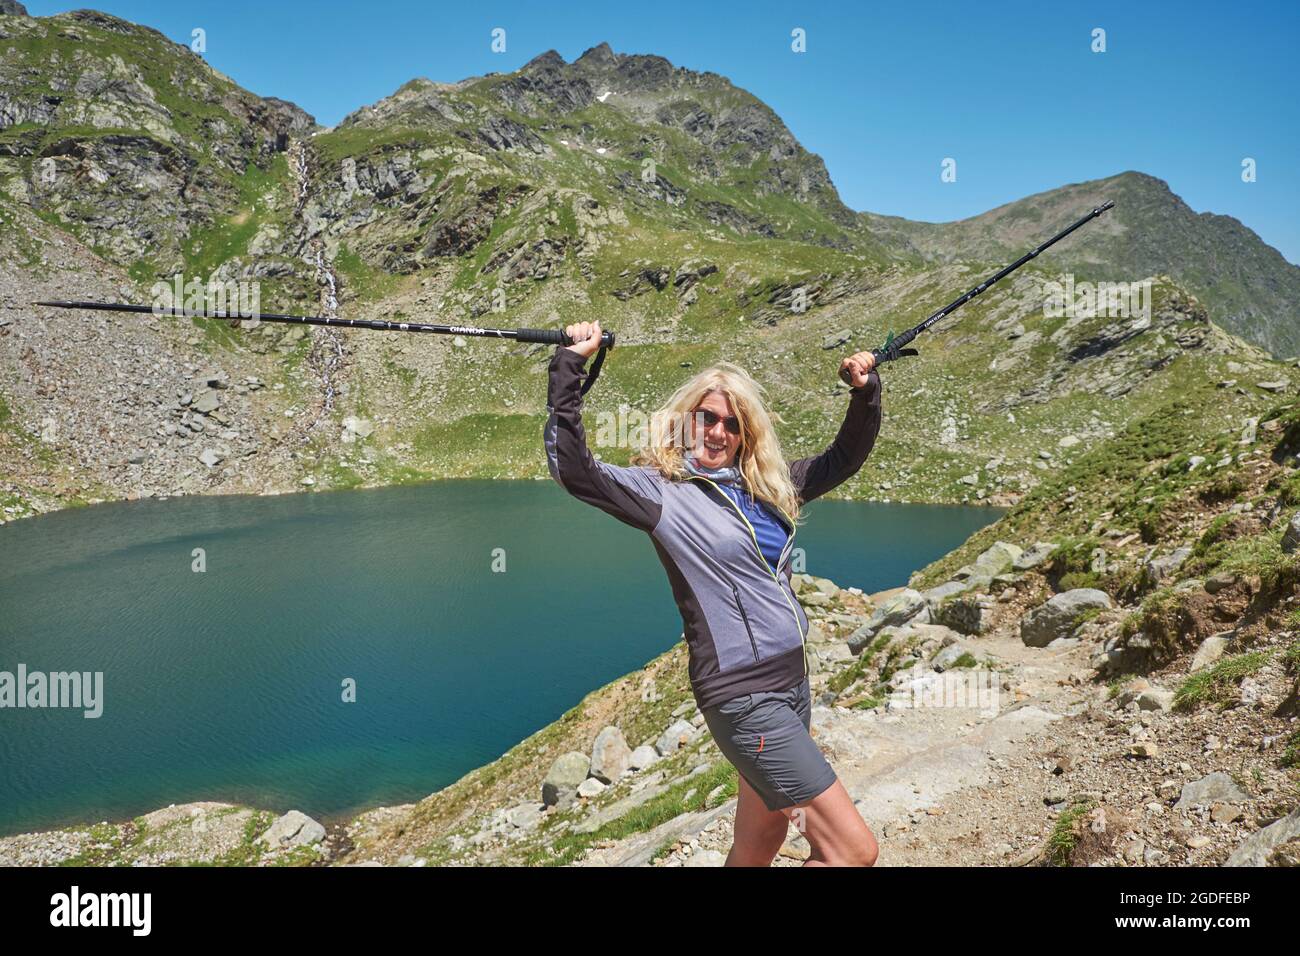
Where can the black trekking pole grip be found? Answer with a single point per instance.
(558, 337)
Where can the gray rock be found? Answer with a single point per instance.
(1256, 849)
(1033, 557)
(1291, 537)
(1211, 649)
(836, 339)
(705, 858)
(207, 402)
(675, 737)
(1057, 617)
(210, 457)
(610, 755)
(1217, 786)
(964, 614)
(524, 815)
(1000, 557)
(1219, 582)
(1131, 692)
(358, 427)
(937, 595)
(565, 776)
(642, 757)
(946, 657)
(1159, 569)
(212, 379)
(295, 828)
(1155, 698)
(907, 605)
(590, 787)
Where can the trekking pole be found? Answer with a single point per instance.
(543, 336)
(894, 344)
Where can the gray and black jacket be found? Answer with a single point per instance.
(743, 625)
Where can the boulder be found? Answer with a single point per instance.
(642, 757)
(1291, 537)
(1159, 569)
(949, 655)
(965, 614)
(675, 737)
(1211, 788)
(1057, 617)
(524, 815)
(610, 755)
(905, 606)
(937, 595)
(1258, 848)
(1033, 557)
(1211, 649)
(565, 776)
(295, 828)
(1155, 698)
(1000, 557)
(207, 402)
(899, 609)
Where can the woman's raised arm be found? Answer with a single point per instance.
(633, 495)
(818, 474)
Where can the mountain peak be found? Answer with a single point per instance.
(548, 59)
(12, 8)
(600, 55)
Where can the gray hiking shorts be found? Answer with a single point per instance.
(766, 736)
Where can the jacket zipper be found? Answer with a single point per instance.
(759, 551)
(745, 617)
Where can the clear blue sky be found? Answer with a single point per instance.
(1010, 90)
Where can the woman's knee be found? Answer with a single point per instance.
(859, 853)
(867, 851)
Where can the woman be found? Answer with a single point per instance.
(721, 505)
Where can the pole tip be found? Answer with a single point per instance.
(1108, 204)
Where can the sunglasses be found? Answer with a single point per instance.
(731, 423)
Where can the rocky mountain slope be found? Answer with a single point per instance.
(668, 203)
(1251, 290)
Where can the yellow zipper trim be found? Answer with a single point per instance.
(754, 537)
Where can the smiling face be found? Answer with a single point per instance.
(714, 446)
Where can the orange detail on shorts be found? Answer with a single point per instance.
(760, 744)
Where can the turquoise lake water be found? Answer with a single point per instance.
(227, 684)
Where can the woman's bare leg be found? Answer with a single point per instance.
(758, 832)
(834, 829)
